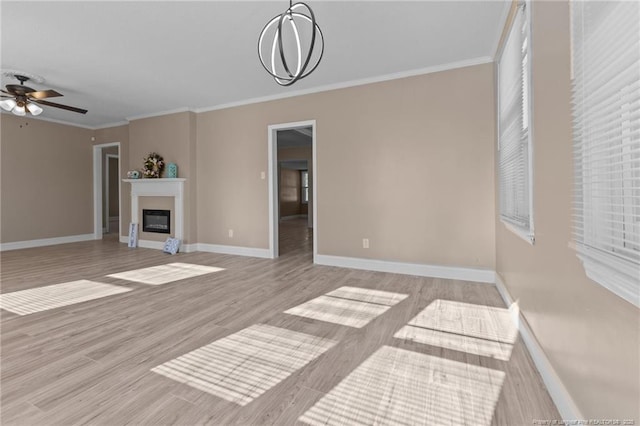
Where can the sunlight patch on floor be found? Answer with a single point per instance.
(481, 330)
(349, 306)
(39, 299)
(244, 365)
(164, 274)
(378, 297)
(399, 387)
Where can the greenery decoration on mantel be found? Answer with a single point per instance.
(153, 165)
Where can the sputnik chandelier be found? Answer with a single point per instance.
(293, 44)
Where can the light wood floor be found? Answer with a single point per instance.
(91, 362)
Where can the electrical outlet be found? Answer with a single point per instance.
(230, 233)
(263, 175)
(365, 243)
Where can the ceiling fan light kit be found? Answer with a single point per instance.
(286, 29)
(22, 99)
(8, 104)
(19, 110)
(34, 109)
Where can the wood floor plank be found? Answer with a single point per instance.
(91, 362)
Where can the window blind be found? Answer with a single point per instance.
(304, 177)
(514, 136)
(606, 133)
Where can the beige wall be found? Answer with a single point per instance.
(47, 179)
(172, 137)
(406, 163)
(590, 335)
(191, 209)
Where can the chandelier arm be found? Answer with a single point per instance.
(319, 57)
(272, 71)
(273, 52)
(295, 31)
(316, 27)
(301, 71)
(313, 37)
(280, 46)
(321, 54)
(260, 42)
(287, 15)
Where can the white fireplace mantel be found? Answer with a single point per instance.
(167, 187)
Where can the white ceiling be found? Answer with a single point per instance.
(122, 60)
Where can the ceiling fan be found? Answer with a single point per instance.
(23, 99)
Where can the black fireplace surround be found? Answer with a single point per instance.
(156, 221)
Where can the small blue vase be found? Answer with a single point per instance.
(172, 170)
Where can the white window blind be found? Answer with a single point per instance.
(514, 133)
(304, 187)
(606, 133)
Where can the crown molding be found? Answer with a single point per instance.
(353, 83)
(50, 120)
(158, 114)
(336, 86)
(110, 125)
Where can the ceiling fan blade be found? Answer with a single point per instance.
(42, 94)
(4, 91)
(68, 108)
(6, 96)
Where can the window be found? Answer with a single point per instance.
(304, 179)
(514, 129)
(606, 138)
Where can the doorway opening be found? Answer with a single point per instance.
(111, 193)
(292, 188)
(106, 191)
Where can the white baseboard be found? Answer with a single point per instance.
(17, 245)
(435, 271)
(189, 248)
(559, 394)
(240, 251)
(159, 245)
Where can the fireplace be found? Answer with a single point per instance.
(156, 221)
(173, 188)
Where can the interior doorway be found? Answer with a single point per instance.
(106, 190)
(111, 193)
(295, 233)
(292, 188)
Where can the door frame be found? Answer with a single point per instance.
(107, 189)
(273, 183)
(97, 189)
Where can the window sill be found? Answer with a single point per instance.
(525, 234)
(616, 275)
